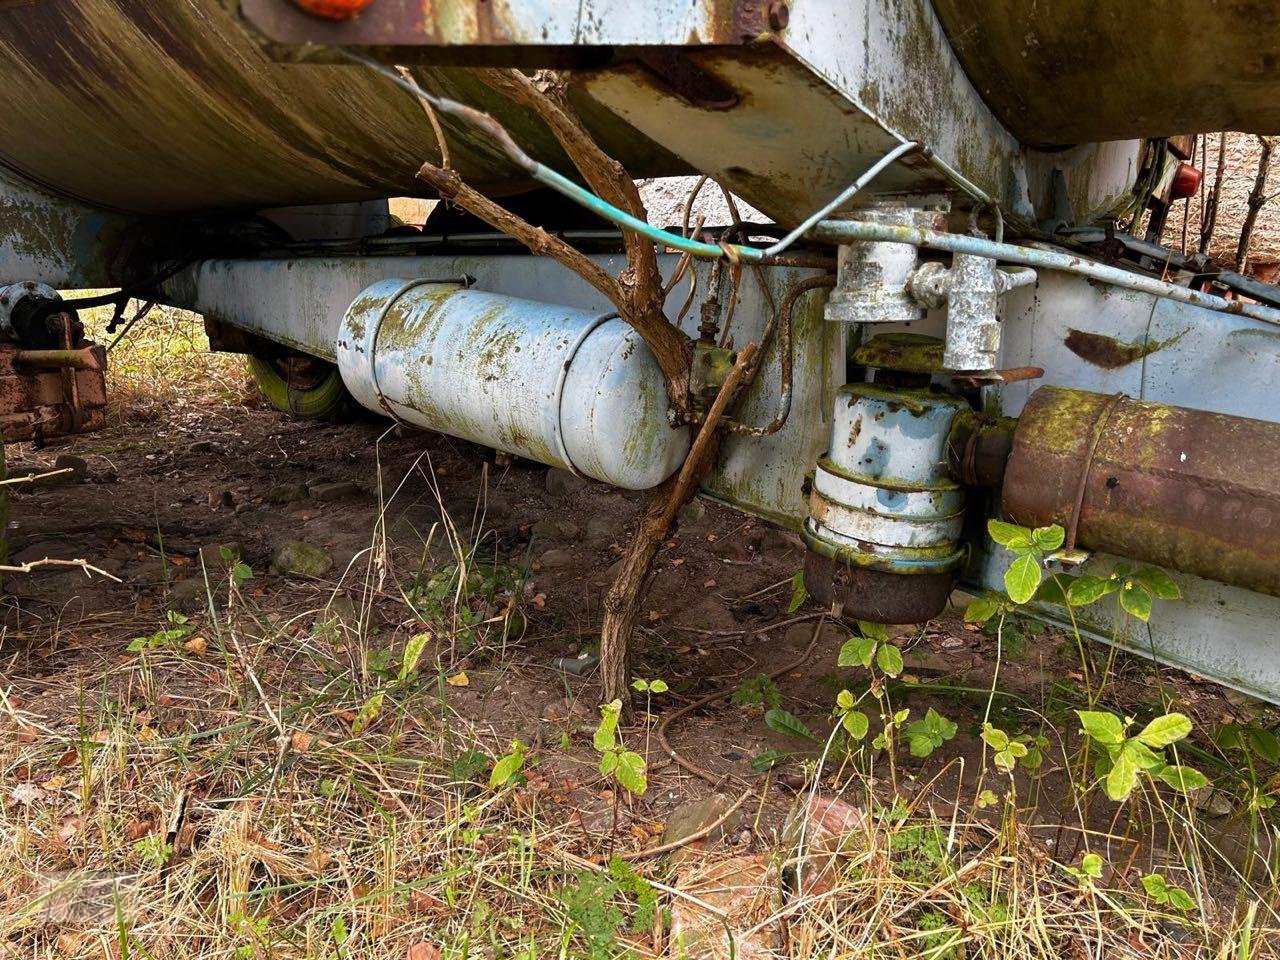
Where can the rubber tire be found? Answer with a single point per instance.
(326, 399)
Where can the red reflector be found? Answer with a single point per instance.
(1186, 182)
(333, 9)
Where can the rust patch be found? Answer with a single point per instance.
(1109, 352)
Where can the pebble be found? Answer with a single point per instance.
(287, 493)
(555, 557)
(211, 554)
(299, 559)
(579, 666)
(562, 483)
(78, 466)
(548, 529)
(693, 511)
(336, 490)
(694, 815)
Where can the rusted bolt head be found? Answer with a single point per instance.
(779, 15)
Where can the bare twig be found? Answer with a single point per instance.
(51, 562)
(1257, 198)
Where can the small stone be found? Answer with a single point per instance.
(741, 887)
(189, 596)
(579, 666)
(547, 529)
(694, 815)
(337, 490)
(834, 831)
(923, 660)
(555, 558)
(496, 507)
(221, 500)
(603, 528)
(693, 511)
(732, 549)
(288, 493)
(299, 559)
(562, 483)
(1212, 802)
(220, 556)
(48, 550)
(78, 466)
(776, 542)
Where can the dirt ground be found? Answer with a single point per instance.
(163, 506)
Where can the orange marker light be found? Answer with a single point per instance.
(333, 9)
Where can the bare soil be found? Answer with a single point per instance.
(204, 476)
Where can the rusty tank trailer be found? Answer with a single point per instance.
(941, 182)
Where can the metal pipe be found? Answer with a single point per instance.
(854, 231)
(786, 355)
(844, 197)
(1184, 489)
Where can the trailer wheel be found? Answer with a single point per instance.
(301, 385)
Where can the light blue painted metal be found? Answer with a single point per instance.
(882, 496)
(570, 388)
(853, 231)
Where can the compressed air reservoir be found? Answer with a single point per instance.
(566, 387)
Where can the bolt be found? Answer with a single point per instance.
(779, 15)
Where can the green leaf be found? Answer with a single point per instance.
(1048, 538)
(1091, 866)
(1181, 900)
(1165, 730)
(1265, 744)
(799, 593)
(844, 701)
(1101, 726)
(1053, 589)
(781, 721)
(608, 762)
(921, 745)
(241, 572)
(1088, 589)
(1136, 601)
(606, 733)
(1156, 887)
(768, 760)
(1010, 535)
(368, 713)
(640, 686)
(1182, 778)
(412, 654)
(631, 772)
(981, 609)
(1122, 778)
(1159, 583)
(994, 737)
(658, 686)
(857, 652)
(1022, 578)
(855, 724)
(1141, 755)
(889, 659)
(507, 767)
(876, 631)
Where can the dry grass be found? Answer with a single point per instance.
(227, 791)
(164, 363)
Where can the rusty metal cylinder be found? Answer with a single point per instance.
(1183, 489)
